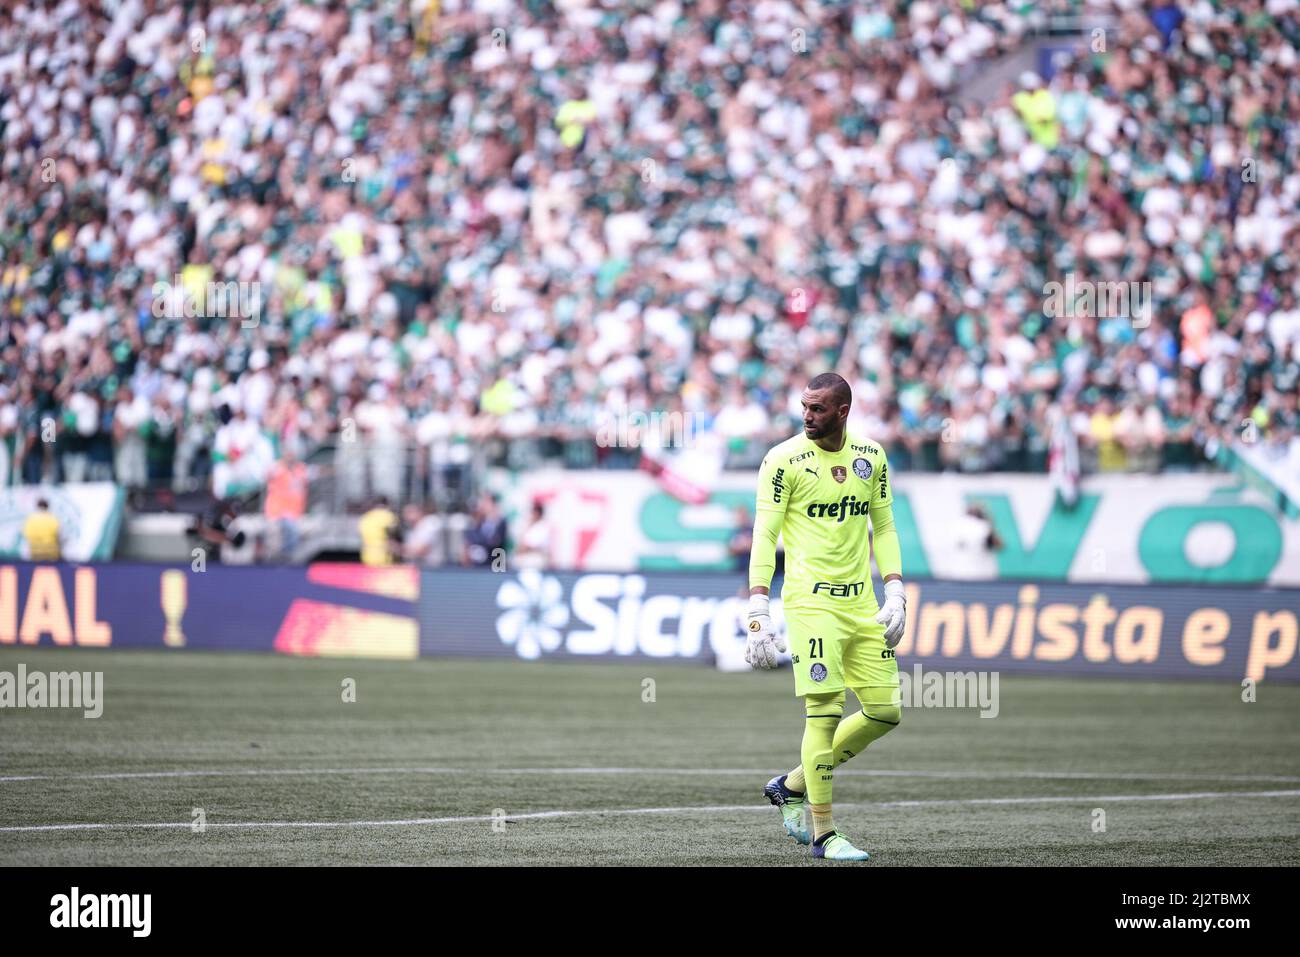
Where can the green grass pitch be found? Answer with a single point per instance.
(503, 762)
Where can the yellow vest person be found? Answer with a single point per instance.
(1037, 109)
(376, 527)
(41, 530)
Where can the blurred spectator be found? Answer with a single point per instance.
(1063, 454)
(380, 535)
(41, 534)
(286, 501)
(130, 417)
(533, 548)
(1037, 108)
(1141, 434)
(241, 454)
(977, 543)
(741, 541)
(386, 432)
(467, 252)
(8, 440)
(1101, 436)
(161, 436)
(445, 451)
(422, 541)
(485, 539)
(81, 422)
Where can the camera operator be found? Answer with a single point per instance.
(214, 528)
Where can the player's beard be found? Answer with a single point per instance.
(823, 432)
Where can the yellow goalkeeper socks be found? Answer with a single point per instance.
(822, 823)
(818, 743)
(858, 730)
(854, 734)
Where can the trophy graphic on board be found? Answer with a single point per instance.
(175, 596)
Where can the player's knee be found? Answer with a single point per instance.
(887, 715)
(824, 704)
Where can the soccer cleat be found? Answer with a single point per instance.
(836, 847)
(791, 806)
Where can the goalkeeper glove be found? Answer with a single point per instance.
(894, 613)
(764, 643)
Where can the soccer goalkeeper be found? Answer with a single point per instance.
(818, 489)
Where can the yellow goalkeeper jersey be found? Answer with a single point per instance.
(820, 502)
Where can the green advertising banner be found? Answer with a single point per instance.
(1169, 529)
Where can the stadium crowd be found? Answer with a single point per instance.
(460, 223)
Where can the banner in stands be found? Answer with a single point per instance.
(89, 514)
(1151, 631)
(1169, 529)
(331, 610)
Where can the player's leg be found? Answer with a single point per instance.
(871, 670)
(815, 651)
(880, 714)
(788, 791)
(817, 755)
(818, 639)
(828, 842)
(873, 675)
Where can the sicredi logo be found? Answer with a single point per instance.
(102, 910)
(611, 614)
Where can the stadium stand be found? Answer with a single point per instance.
(452, 234)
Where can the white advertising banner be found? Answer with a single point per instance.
(1180, 528)
(89, 514)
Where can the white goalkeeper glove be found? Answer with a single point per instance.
(764, 643)
(893, 615)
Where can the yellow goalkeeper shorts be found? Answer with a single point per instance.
(832, 650)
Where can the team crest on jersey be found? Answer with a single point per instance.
(862, 469)
(817, 672)
(839, 473)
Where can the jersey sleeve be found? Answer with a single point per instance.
(774, 488)
(889, 557)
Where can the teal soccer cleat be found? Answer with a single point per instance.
(791, 807)
(836, 847)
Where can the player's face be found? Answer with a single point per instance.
(821, 417)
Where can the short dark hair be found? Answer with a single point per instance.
(839, 388)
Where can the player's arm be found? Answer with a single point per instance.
(889, 556)
(769, 515)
